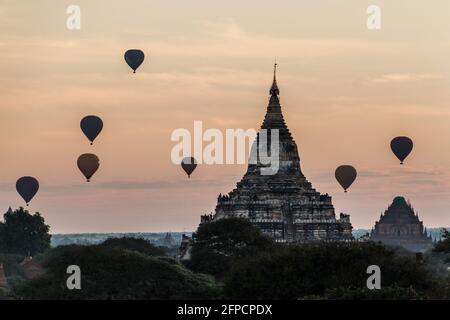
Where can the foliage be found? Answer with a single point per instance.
(442, 248)
(23, 233)
(11, 264)
(133, 244)
(292, 272)
(170, 251)
(4, 294)
(444, 244)
(111, 273)
(218, 244)
(385, 293)
(248, 264)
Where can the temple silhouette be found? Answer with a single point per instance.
(284, 205)
(169, 241)
(400, 226)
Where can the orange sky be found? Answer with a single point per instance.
(345, 92)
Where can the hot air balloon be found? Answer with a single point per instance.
(189, 164)
(88, 164)
(345, 175)
(134, 58)
(401, 147)
(27, 187)
(91, 127)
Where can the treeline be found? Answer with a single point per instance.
(125, 268)
(23, 233)
(231, 259)
(251, 266)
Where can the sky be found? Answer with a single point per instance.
(345, 91)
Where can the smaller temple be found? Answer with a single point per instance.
(31, 268)
(169, 241)
(3, 280)
(400, 226)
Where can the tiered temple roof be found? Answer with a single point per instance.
(400, 226)
(283, 205)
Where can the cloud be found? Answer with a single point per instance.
(126, 185)
(226, 28)
(219, 39)
(406, 77)
(161, 184)
(7, 186)
(380, 182)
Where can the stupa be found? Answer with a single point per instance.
(283, 205)
(400, 226)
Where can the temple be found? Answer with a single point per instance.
(400, 226)
(283, 205)
(168, 240)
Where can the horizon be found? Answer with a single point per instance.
(188, 231)
(345, 92)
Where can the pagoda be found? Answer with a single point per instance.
(400, 226)
(283, 205)
(168, 240)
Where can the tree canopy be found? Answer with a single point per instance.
(111, 273)
(296, 271)
(23, 233)
(133, 244)
(444, 244)
(217, 244)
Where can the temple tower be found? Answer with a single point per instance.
(400, 226)
(283, 205)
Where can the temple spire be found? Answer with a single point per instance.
(274, 89)
(274, 117)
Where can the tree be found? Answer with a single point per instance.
(111, 273)
(133, 244)
(296, 271)
(217, 244)
(23, 233)
(385, 293)
(444, 244)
